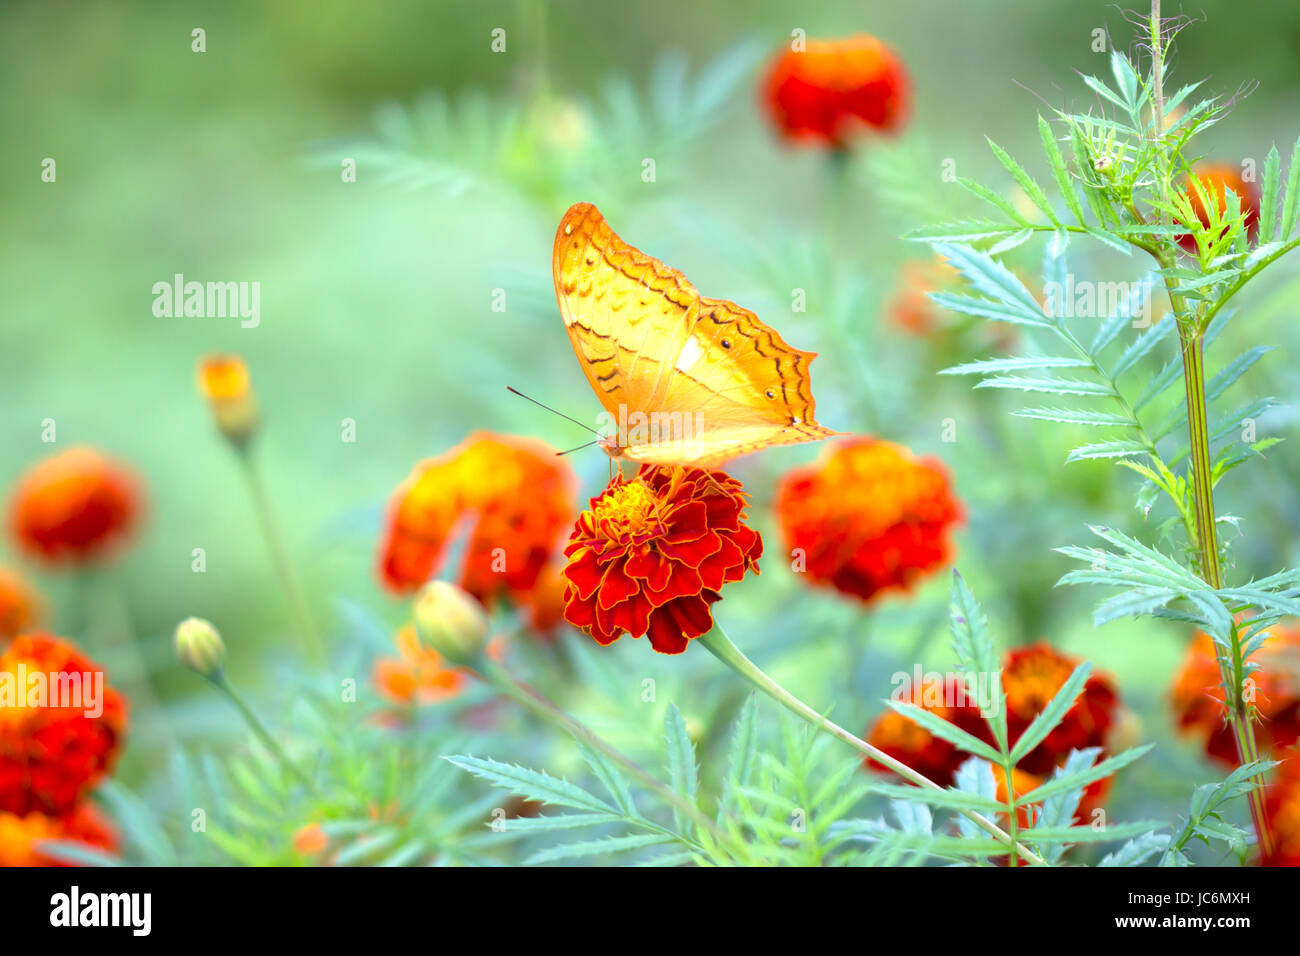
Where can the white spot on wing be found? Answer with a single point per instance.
(691, 354)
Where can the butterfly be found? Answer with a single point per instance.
(684, 379)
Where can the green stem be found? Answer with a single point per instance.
(260, 731)
(298, 607)
(720, 646)
(533, 700)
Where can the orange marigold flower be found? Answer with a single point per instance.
(544, 604)
(652, 554)
(1273, 690)
(904, 739)
(912, 309)
(73, 506)
(834, 89)
(56, 746)
(868, 517)
(515, 495)
(311, 839)
(1031, 677)
(21, 836)
(20, 606)
(418, 675)
(1282, 811)
(1217, 179)
(225, 383)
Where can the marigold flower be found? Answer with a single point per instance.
(21, 836)
(52, 754)
(544, 604)
(1031, 677)
(20, 606)
(1282, 811)
(834, 89)
(868, 517)
(225, 383)
(451, 621)
(311, 839)
(652, 553)
(1273, 690)
(418, 675)
(73, 507)
(1217, 179)
(912, 309)
(516, 497)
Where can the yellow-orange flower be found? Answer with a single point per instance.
(73, 507)
(225, 383)
(512, 495)
(54, 749)
(1217, 179)
(21, 836)
(1273, 690)
(20, 606)
(1282, 811)
(311, 839)
(833, 90)
(418, 675)
(868, 518)
(912, 309)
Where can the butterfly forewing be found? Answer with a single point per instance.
(713, 380)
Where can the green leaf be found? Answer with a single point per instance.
(993, 279)
(944, 730)
(742, 750)
(970, 230)
(987, 309)
(994, 199)
(611, 778)
(1055, 386)
(1027, 183)
(532, 784)
(1065, 783)
(1268, 201)
(1141, 346)
(975, 652)
(1120, 448)
(1291, 200)
(574, 851)
(681, 759)
(1136, 851)
(560, 821)
(985, 366)
(1076, 416)
(975, 776)
(948, 799)
(1059, 172)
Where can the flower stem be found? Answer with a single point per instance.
(533, 700)
(720, 646)
(259, 730)
(309, 636)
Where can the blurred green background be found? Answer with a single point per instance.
(376, 295)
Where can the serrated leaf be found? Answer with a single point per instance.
(1075, 416)
(986, 366)
(531, 784)
(1057, 163)
(682, 771)
(1055, 386)
(1291, 199)
(1120, 448)
(944, 730)
(1069, 782)
(1052, 714)
(575, 851)
(1026, 182)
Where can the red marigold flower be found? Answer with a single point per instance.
(1282, 811)
(418, 675)
(834, 89)
(515, 495)
(1031, 677)
(1217, 179)
(21, 836)
(652, 554)
(1274, 692)
(52, 751)
(20, 606)
(74, 506)
(868, 517)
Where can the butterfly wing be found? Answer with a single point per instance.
(717, 381)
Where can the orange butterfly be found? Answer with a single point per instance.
(684, 379)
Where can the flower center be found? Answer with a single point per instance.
(627, 510)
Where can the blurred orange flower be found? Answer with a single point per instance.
(868, 517)
(911, 309)
(418, 675)
(515, 495)
(73, 506)
(225, 383)
(56, 746)
(545, 602)
(1031, 676)
(20, 836)
(310, 840)
(1274, 690)
(1217, 179)
(20, 606)
(1282, 810)
(833, 90)
(652, 554)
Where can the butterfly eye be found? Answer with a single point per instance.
(726, 343)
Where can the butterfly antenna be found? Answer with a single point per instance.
(516, 391)
(579, 448)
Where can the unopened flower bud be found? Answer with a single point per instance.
(224, 382)
(199, 647)
(451, 621)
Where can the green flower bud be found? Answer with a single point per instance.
(451, 621)
(199, 647)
